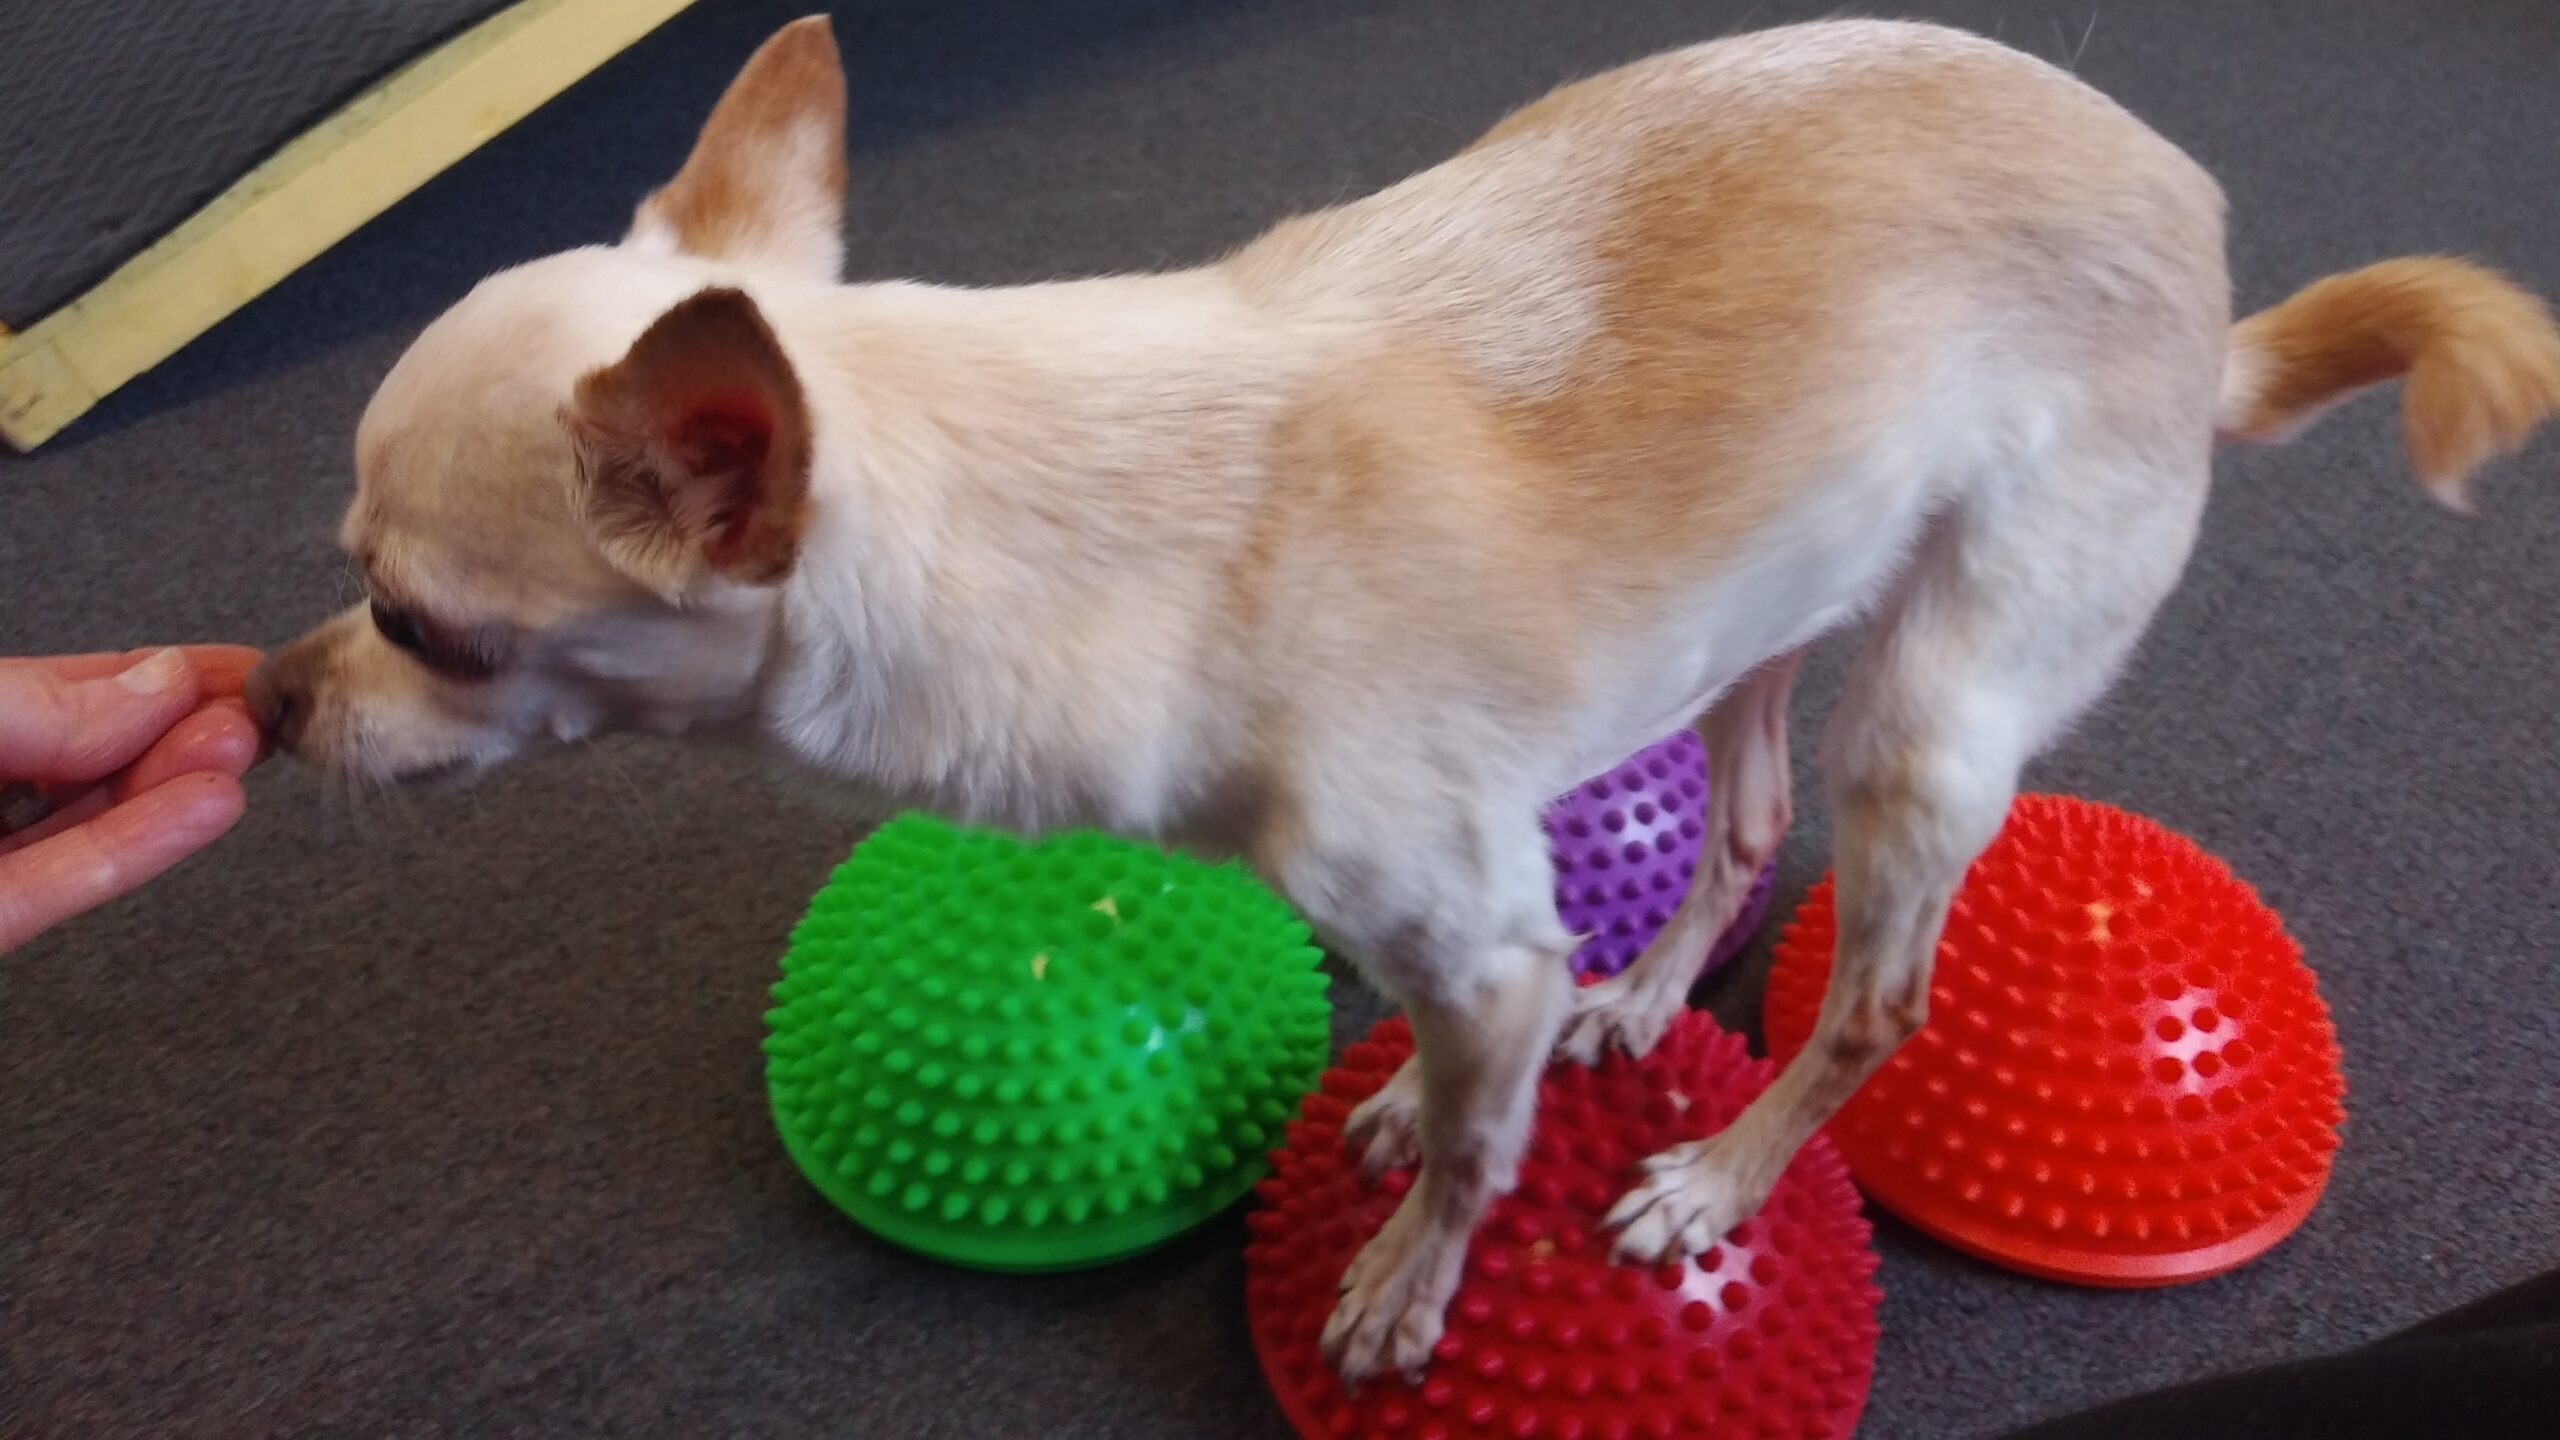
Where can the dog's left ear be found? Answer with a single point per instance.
(764, 186)
(693, 450)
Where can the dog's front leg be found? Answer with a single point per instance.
(1483, 1022)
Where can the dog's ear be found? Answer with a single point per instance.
(764, 186)
(693, 450)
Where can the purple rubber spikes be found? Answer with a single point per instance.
(1626, 844)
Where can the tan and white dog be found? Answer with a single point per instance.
(1350, 550)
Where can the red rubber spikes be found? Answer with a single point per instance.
(1770, 1334)
(2127, 1077)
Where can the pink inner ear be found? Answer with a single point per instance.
(723, 441)
(723, 435)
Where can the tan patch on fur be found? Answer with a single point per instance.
(1775, 274)
(1681, 427)
(770, 157)
(1392, 467)
(2482, 357)
(1772, 257)
(693, 449)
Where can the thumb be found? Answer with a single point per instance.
(63, 732)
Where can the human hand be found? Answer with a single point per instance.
(130, 763)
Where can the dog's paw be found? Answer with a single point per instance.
(1690, 1197)
(1395, 1298)
(1616, 1014)
(1386, 1128)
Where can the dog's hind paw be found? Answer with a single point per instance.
(1616, 1014)
(1690, 1197)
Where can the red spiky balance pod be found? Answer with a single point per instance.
(2127, 1078)
(1770, 1334)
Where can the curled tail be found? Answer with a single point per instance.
(2482, 357)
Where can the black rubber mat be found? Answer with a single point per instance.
(118, 119)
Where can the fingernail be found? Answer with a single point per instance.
(162, 670)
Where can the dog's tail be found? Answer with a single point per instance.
(2482, 357)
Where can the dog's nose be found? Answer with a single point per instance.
(278, 701)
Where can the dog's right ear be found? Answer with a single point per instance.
(693, 450)
(764, 186)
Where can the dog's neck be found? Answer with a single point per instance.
(1032, 506)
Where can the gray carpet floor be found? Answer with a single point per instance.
(443, 1116)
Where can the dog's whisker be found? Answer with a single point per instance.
(639, 800)
(363, 784)
(2083, 47)
(402, 807)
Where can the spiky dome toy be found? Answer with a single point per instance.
(2127, 1077)
(1626, 845)
(1770, 1333)
(1038, 1055)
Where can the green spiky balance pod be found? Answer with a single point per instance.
(1039, 1055)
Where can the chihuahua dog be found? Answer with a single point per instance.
(1349, 551)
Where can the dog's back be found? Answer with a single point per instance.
(1737, 319)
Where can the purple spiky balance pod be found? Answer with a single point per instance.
(1626, 846)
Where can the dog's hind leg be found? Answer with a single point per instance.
(1750, 803)
(2021, 605)
(1749, 808)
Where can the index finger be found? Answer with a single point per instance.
(222, 669)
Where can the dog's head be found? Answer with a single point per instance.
(577, 492)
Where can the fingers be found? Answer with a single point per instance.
(140, 753)
(73, 807)
(56, 731)
(219, 737)
(223, 669)
(89, 864)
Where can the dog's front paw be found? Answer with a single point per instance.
(1690, 1197)
(1395, 1297)
(1619, 1014)
(1386, 1128)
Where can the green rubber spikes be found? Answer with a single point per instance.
(1039, 1055)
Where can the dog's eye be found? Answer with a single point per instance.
(400, 628)
(469, 659)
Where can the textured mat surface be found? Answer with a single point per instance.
(445, 1117)
(122, 117)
